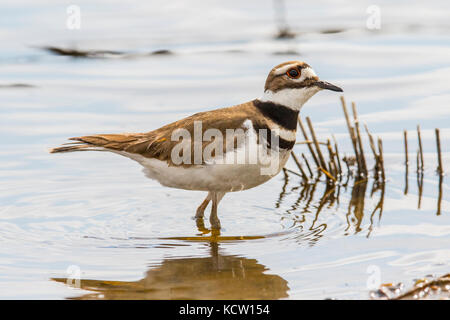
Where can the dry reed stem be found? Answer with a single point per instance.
(305, 135)
(336, 152)
(327, 174)
(311, 142)
(420, 148)
(380, 152)
(307, 165)
(358, 138)
(332, 163)
(351, 132)
(297, 162)
(322, 162)
(374, 151)
(405, 138)
(293, 172)
(371, 143)
(440, 169)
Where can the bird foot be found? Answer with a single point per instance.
(215, 224)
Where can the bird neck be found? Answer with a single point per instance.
(284, 117)
(293, 98)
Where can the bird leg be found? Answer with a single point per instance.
(201, 209)
(213, 218)
(201, 226)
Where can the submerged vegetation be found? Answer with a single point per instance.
(357, 175)
(329, 163)
(429, 287)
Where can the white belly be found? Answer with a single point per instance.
(243, 168)
(215, 176)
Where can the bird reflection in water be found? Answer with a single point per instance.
(217, 277)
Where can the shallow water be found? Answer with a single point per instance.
(95, 216)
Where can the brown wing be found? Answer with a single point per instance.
(158, 143)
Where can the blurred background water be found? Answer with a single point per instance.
(95, 216)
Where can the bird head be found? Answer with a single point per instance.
(292, 83)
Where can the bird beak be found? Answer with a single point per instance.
(328, 86)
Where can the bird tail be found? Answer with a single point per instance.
(110, 142)
(76, 146)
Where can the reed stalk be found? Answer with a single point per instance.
(440, 169)
(305, 135)
(322, 162)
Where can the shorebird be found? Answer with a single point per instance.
(197, 153)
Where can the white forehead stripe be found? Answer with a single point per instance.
(306, 73)
(285, 68)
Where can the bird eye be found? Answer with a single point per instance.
(293, 73)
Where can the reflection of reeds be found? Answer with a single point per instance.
(313, 203)
(328, 162)
(420, 167)
(283, 190)
(357, 204)
(379, 207)
(420, 188)
(441, 178)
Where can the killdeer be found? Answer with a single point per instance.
(188, 165)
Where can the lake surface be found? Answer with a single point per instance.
(96, 217)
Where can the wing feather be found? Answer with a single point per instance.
(159, 143)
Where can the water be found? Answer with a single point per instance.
(95, 216)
